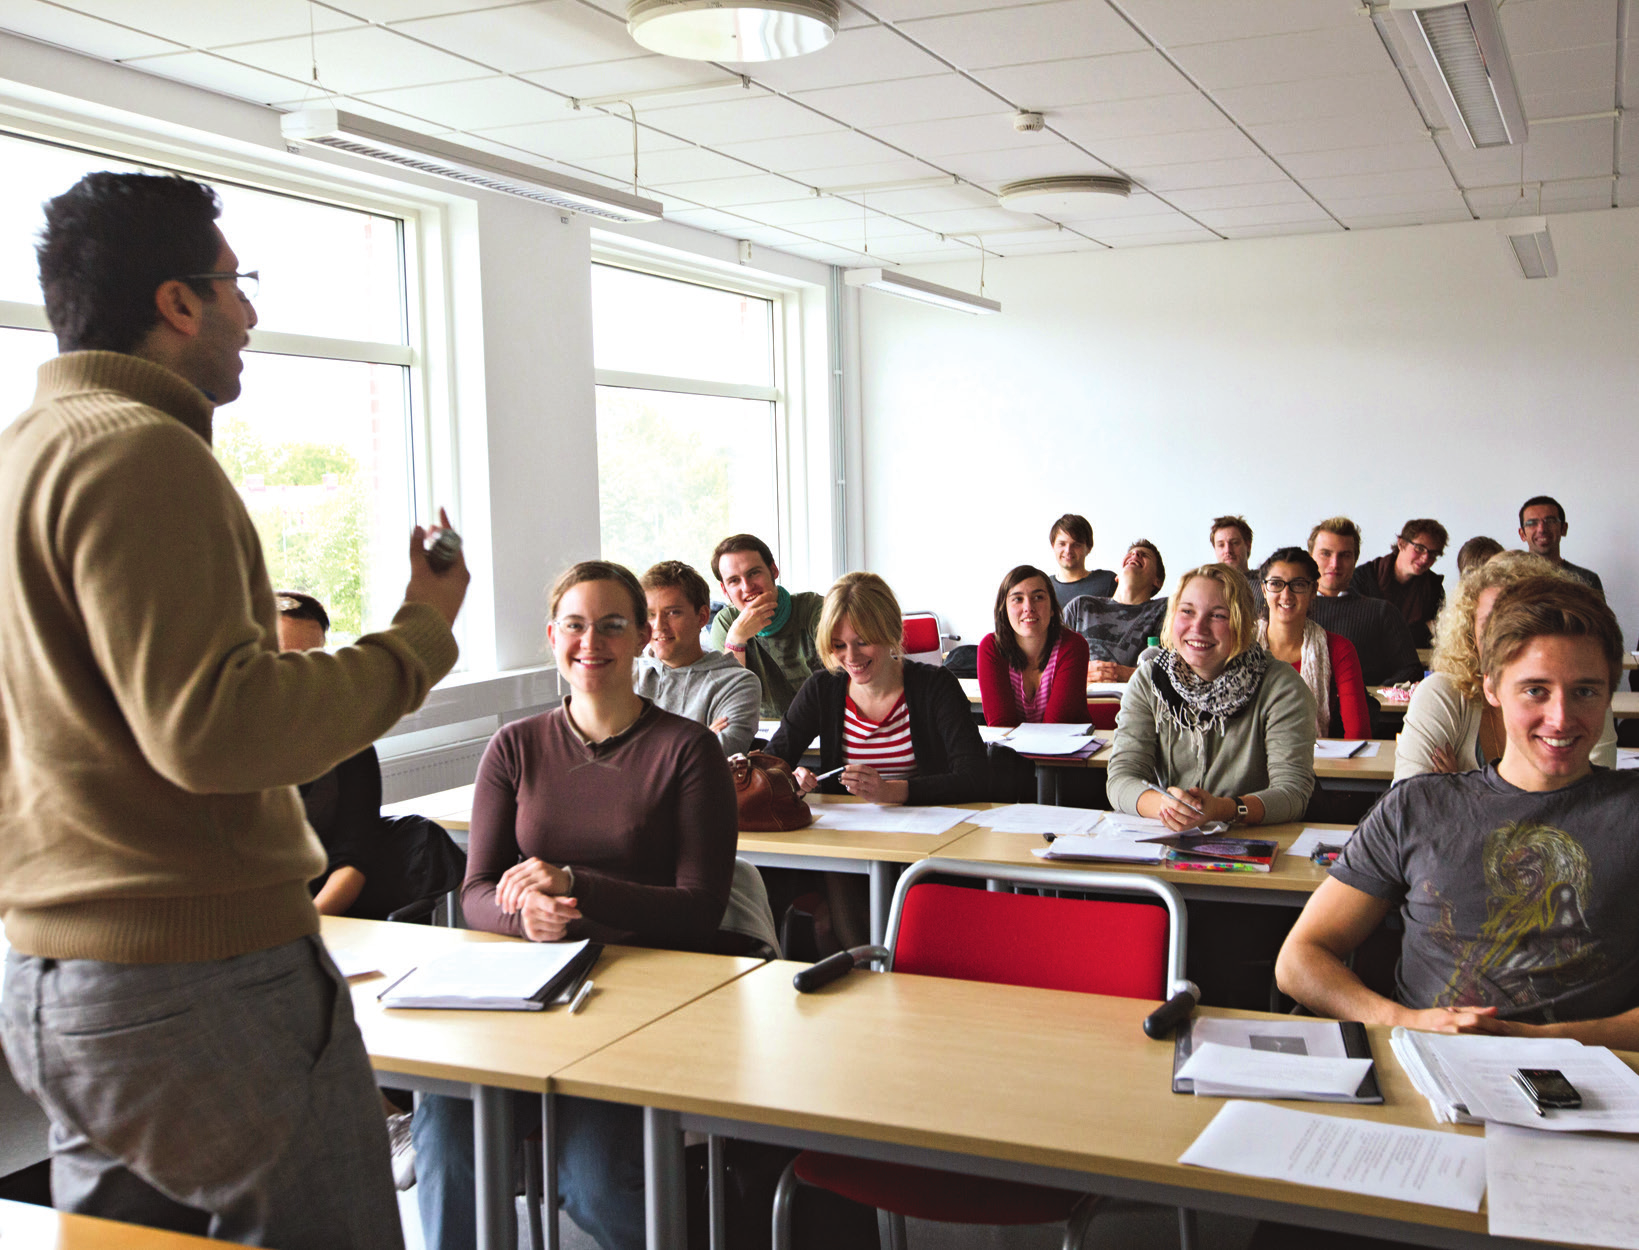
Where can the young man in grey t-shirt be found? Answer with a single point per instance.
(1517, 882)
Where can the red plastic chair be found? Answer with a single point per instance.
(1133, 950)
(921, 639)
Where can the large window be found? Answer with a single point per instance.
(687, 408)
(318, 444)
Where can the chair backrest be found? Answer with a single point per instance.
(920, 638)
(1132, 950)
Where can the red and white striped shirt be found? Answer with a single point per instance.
(886, 746)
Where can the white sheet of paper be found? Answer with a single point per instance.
(1077, 847)
(1584, 1190)
(993, 733)
(1227, 1071)
(882, 818)
(1359, 1156)
(1038, 818)
(1295, 1035)
(354, 963)
(1049, 739)
(1121, 825)
(1627, 757)
(1106, 689)
(1304, 844)
(1344, 749)
(1480, 1068)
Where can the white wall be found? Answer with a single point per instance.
(1383, 374)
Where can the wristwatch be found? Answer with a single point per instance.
(1240, 811)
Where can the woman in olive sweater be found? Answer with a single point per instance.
(861, 707)
(1211, 729)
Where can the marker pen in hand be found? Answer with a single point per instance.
(835, 772)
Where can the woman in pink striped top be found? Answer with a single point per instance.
(1032, 669)
(900, 731)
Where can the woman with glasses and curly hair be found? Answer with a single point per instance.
(1327, 662)
(1212, 728)
(1450, 728)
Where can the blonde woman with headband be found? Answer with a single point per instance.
(1450, 728)
(1212, 728)
(892, 730)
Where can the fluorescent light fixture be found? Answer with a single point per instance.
(362, 136)
(1534, 250)
(1062, 194)
(1463, 58)
(733, 30)
(902, 284)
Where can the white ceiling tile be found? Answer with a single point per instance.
(477, 104)
(1131, 227)
(1108, 208)
(638, 73)
(708, 219)
(1093, 124)
(1351, 48)
(1284, 228)
(733, 192)
(210, 23)
(803, 213)
(831, 148)
(368, 108)
(685, 164)
(1376, 93)
(1167, 239)
(367, 58)
(217, 73)
(1566, 69)
(1379, 158)
(1261, 215)
(1207, 198)
(1388, 221)
(1545, 25)
(971, 221)
(1018, 36)
(917, 201)
(1591, 97)
(1221, 144)
(1174, 24)
(864, 54)
(1413, 202)
(529, 36)
(856, 234)
(580, 136)
(739, 120)
(1576, 195)
(1166, 177)
(873, 104)
(1354, 186)
(907, 10)
(1325, 134)
(1565, 150)
(986, 133)
(407, 10)
(1629, 156)
(90, 35)
(991, 169)
(1086, 80)
(771, 236)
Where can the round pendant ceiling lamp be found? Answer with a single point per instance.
(1062, 196)
(733, 30)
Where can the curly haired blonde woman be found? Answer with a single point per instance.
(1450, 728)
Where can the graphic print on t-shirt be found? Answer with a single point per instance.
(1534, 944)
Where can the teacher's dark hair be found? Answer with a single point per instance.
(1007, 642)
(109, 241)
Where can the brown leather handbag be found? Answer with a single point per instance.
(767, 794)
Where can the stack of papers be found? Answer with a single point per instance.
(1220, 1071)
(881, 818)
(1108, 849)
(1303, 846)
(1466, 1079)
(500, 976)
(1106, 689)
(1358, 1156)
(1052, 739)
(1038, 818)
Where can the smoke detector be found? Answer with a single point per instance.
(1066, 194)
(1025, 121)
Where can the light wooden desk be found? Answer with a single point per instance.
(1042, 1086)
(1373, 772)
(970, 687)
(1288, 884)
(28, 1227)
(451, 808)
(482, 1054)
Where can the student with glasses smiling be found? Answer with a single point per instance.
(1405, 576)
(1326, 661)
(605, 818)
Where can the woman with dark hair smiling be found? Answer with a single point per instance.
(1326, 661)
(1032, 669)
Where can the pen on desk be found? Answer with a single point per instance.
(579, 1001)
(394, 984)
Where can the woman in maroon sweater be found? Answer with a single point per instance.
(1032, 669)
(604, 818)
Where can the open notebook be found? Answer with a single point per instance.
(496, 976)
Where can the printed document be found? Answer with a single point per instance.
(1038, 818)
(1344, 748)
(1359, 1156)
(1221, 1071)
(1107, 849)
(1584, 1190)
(880, 818)
(1478, 1071)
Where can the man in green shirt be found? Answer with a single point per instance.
(765, 627)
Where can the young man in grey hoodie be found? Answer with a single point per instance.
(683, 677)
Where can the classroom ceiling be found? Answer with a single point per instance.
(1233, 118)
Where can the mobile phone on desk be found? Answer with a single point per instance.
(1547, 1089)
